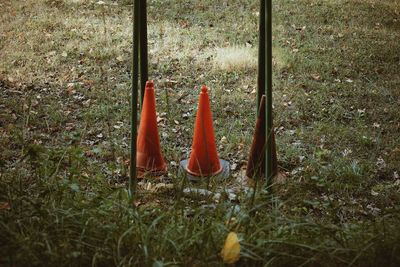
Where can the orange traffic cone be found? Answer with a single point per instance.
(148, 156)
(256, 162)
(203, 160)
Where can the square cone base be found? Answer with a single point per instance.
(222, 175)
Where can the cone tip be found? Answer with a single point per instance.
(150, 83)
(204, 89)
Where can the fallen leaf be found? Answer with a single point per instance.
(374, 193)
(224, 140)
(316, 76)
(71, 89)
(4, 206)
(280, 178)
(376, 125)
(35, 103)
(184, 24)
(137, 203)
(69, 126)
(231, 251)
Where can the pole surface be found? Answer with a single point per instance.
(261, 55)
(143, 48)
(268, 95)
(134, 100)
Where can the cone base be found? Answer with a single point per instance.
(260, 177)
(278, 178)
(221, 175)
(144, 173)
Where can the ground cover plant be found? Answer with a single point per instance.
(64, 134)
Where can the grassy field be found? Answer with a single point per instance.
(64, 134)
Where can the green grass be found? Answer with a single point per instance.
(64, 134)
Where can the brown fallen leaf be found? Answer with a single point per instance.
(316, 76)
(5, 206)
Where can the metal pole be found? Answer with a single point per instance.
(134, 99)
(143, 48)
(261, 55)
(268, 95)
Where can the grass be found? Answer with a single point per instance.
(234, 59)
(64, 127)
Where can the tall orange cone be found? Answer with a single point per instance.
(204, 160)
(148, 156)
(256, 162)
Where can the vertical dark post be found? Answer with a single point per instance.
(268, 94)
(143, 48)
(261, 55)
(134, 99)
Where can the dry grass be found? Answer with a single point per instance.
(235, 59)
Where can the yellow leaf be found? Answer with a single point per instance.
(231, 251)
